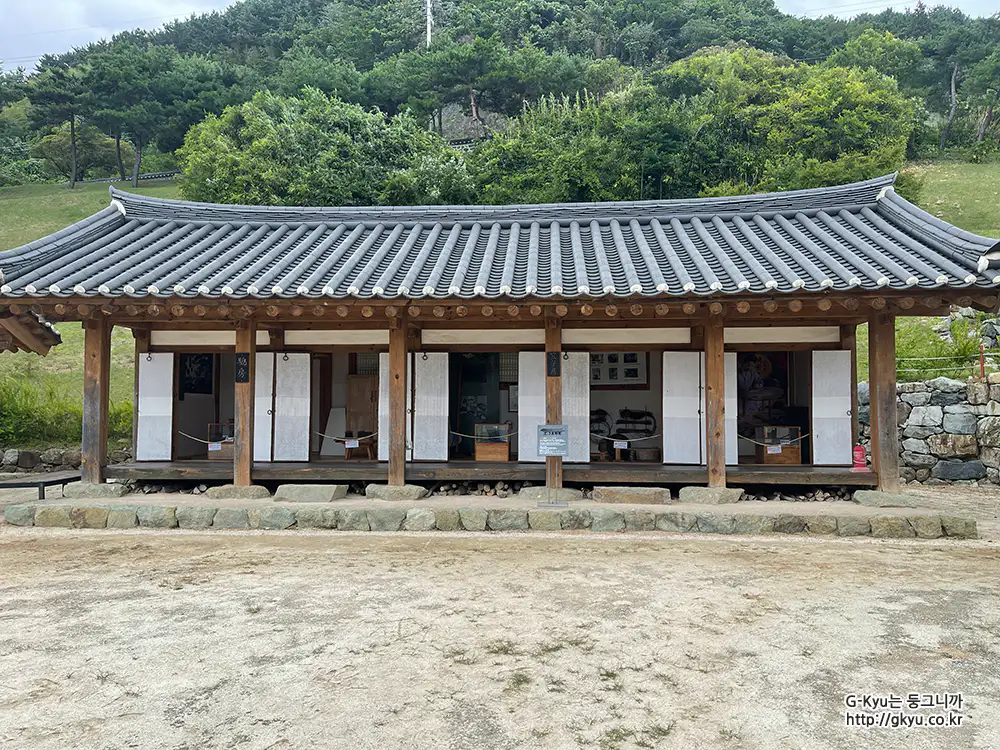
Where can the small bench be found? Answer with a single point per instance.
(41, 481)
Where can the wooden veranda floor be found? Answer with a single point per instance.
(592, 473)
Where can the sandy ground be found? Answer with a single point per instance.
(336, 640)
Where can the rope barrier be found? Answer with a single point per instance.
(767, 445)
(625, 440)
(476, 437)
(345, 439)
(199, 440)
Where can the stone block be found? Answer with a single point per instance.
(419, 519)
(386, 519)
(953, 446)
(403, 493)
(237, 492)
(853, 526)
(914, 387)
(988, 432)
(946, 385)
(927, 527)
(632, 495)
(447, 519)
(310, 493)
(907, 474)
(640, 520)
(919, 460)
(864, 392)
(53, 456)
(53, 515)
(914, 431)
(19, 515)
(710, 495)
(156, 516)
(89, 517)
(544, 520)
(507, 519)
(926, 416)
(120, 517)
(903, 410)
(914, 445)
(788, 523)
(752, 523)
(864, 414)
(990, 457)
(951, 471)
(953, 526)
(821, 524)
(316, 518)
(977, 392)
(891, 527)
(676, 521)
(353, 519)
(716, 523)
(993, 378)
(28, 459)
(604, 519)
(541, 494)
(575, 519)
(961, 423)
(947, 399)
(10, 457)
(473, 519)
(916, 399)
(994, 392)
(880, 499)
(231, 518)
(72, 457)
(923, 475)
(88, 491)
(271, 518)
(194, 517)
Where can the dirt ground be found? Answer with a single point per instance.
(191, 640)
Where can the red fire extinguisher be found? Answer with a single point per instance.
(860, 461)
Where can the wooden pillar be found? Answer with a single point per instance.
(849, 342)
(397, 402)
(96, 387)
(246, 368)
(553, 395)
(882, 387)
(715, 402)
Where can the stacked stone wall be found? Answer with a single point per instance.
(949, 430)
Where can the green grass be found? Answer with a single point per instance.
(966, 195)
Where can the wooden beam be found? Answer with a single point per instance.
(246, 344)
(849, 342)
(24, 335)
(397, 404)
(882, 381)
(715, 402)
(553, 397)
(96, 382)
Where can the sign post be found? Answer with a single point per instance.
(553, 440)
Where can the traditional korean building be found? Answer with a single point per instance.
(691, 341)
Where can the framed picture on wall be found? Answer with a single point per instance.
(618, 370)
(512, 398)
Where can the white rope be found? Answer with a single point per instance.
(625, 440)
(199, 440)
(476, 437)
(766, 445)
(345, 439)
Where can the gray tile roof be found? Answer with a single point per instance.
(853, 236)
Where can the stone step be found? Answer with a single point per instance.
(879, 523)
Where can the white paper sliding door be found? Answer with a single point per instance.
(154, 429)
(383, 407)
(576, 404)
(263, 406)
(831, 408)
(430, 406)
(683, 422)
(531, 408)
(732, 409)
(291, 406)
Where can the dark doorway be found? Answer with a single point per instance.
(474, 398)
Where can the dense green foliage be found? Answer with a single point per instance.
(796, 102)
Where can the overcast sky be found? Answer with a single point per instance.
(31, 29)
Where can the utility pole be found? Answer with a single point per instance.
(430, 23)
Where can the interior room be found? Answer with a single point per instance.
(626, 406)
(773, 397)
(203, 406)
(483, 402)
(345, 404)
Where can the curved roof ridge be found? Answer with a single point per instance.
(857, 193)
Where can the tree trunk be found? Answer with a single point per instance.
(984, 124)
(72, 151)
(118, 153)
(946, 133)
(138, 159)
